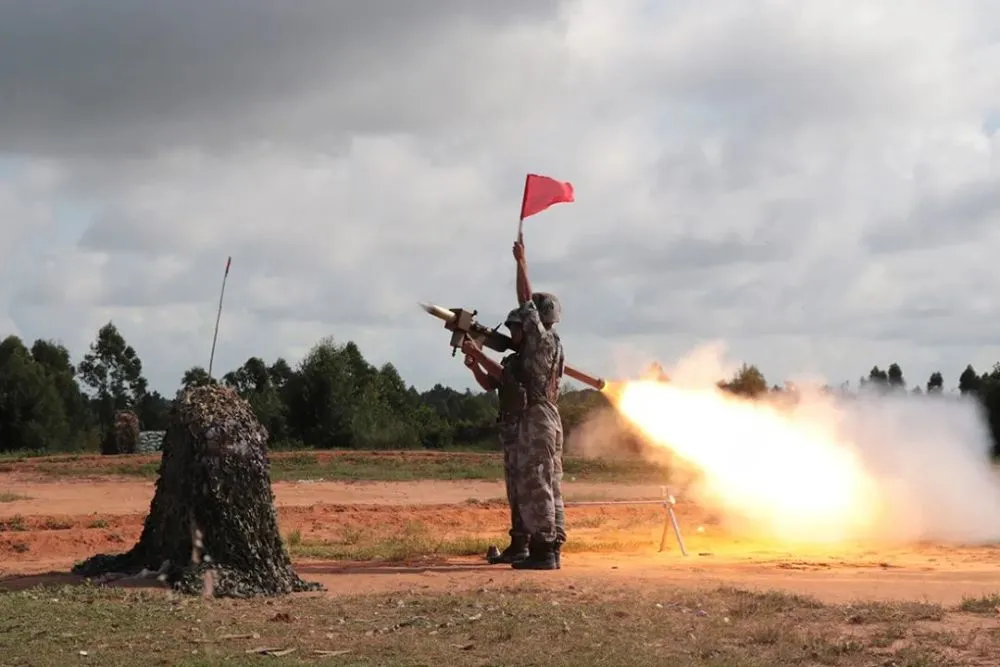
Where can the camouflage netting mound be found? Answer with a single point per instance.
(150, 442)
(123, 438)
(212, 526)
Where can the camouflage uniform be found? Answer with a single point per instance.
(539, 452)
(512, 404)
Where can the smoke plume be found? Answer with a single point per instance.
(920, 464)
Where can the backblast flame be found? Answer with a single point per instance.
(788, 478)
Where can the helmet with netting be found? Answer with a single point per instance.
(548, 307)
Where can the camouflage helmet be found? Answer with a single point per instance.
(548, 307)
(513, 317)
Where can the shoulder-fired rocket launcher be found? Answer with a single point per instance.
(462, 323)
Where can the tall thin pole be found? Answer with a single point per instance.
(218, 316)
(524, 200)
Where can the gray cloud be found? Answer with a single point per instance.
(963, 215)
(792, 180)
(112, 76)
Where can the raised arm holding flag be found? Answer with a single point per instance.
(537, 460)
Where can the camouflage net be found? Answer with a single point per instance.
(123, 438)
(212, 527)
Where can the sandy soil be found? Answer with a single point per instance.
(64, 520)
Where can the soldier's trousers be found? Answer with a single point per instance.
(538, 462)
(509, 434)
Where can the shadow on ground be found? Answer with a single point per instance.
(17, 582)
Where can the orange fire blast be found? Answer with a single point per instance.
(785, 476)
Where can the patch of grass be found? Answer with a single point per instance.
(15, 523)
(51, 523)
(751, 604)
(68, 467)
(366, 467)
(984, 604)
(920, 656)
(606, 470)
(363, 466)
(416, 541)
(52, 626)
(9, 497)
(888, 635)
(98, 523)
(20, 455)
(893, 612)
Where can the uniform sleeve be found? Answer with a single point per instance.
(531, 321)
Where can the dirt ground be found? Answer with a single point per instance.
(48, 524)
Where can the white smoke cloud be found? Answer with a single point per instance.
(925, 459)
(930, 456)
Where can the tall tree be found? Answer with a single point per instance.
(196, 376)
(321, 398)
(935, 383)
(878, 376)
(747, 381)
(280, 372)
(32, 416)
(55, 361)
(255, 382)
(113, 370)
(894, 376)
(969, 382)
(154, 411)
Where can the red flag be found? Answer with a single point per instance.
(541, 192)
(228, 262)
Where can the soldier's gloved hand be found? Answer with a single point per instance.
(469, 346)
(470, 361)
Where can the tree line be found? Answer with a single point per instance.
(333, 398)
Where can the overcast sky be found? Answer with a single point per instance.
(814, 183)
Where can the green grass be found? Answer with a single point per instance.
(52, 523)
(14, 524)
(70, 468)
(370, 466)
(986, 604)
(551, 626)
(416, 540)
(362, 467)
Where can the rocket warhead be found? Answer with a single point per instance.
(438, 312)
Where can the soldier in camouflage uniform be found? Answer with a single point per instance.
(539, 452)
(510, 393)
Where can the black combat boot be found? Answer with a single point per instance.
(518, 550)
(541, 556)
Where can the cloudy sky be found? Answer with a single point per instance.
(814, 183)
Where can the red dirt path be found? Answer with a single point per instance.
(64, 520)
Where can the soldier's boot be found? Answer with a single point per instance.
(560, 540)
(541, 556)
(518, 550)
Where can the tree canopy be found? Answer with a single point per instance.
(332, 398)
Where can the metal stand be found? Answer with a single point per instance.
(669, 519)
